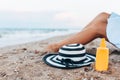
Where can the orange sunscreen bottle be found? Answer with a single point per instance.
(102, 57)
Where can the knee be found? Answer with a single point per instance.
(102, 17)
(103, 14)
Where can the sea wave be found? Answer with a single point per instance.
(19, 36)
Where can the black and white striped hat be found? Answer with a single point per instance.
(70, 56)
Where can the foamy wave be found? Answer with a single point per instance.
(12, 37)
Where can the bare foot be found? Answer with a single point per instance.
(53, 47)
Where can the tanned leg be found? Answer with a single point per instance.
(96, 28)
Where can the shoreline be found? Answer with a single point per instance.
(24, 62)
(46, 41)
(20, 36)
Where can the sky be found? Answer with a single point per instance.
(53, 13)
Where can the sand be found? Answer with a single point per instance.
(24, 62)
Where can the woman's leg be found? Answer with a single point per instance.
(96, 28)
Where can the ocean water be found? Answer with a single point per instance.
(14, 36)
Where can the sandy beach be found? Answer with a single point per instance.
(24, 62)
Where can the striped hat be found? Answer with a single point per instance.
(69, 57)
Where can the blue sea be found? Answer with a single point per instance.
(14, 36)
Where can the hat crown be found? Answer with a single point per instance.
(72, 49)
(75, 52)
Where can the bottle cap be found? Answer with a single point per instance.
(103, 43)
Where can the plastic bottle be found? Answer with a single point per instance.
(102, 57)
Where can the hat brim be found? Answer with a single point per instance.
(50, 59)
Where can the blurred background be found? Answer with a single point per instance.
(24, 21)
